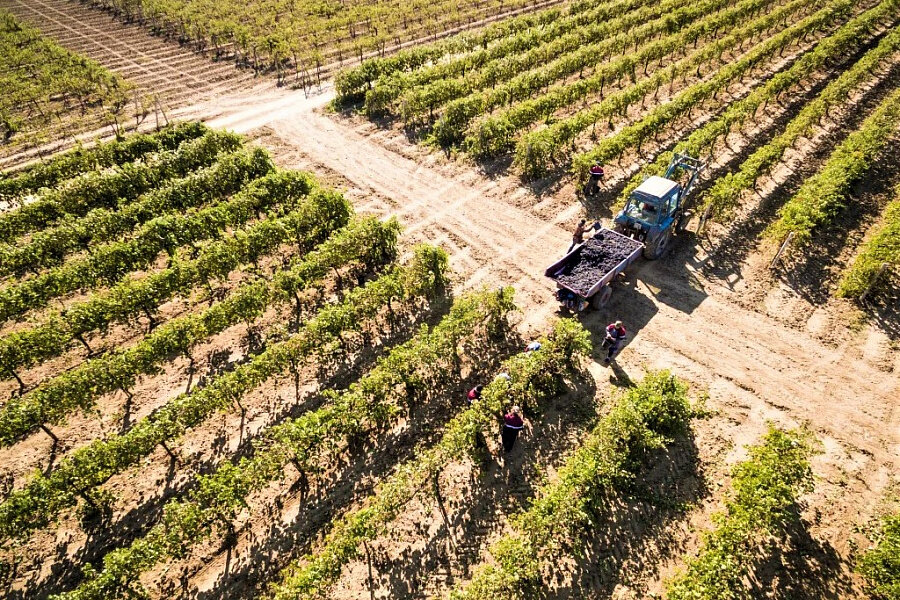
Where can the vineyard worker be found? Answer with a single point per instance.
(512, 425)
(593, 184)
(578, 236)
(615, 335)
(533, 347)
(474, 394)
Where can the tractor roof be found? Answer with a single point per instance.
(656, 187)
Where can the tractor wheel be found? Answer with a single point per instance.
(682, 222)
(658, 248)
(601, 298)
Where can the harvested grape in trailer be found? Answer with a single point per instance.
(654, 209)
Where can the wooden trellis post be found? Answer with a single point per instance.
(874, 281)
(781, 250)
(707, 213)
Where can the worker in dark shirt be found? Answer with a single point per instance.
(578, 235)
(512, 425)
(615, 335)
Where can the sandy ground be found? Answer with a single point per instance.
(762, 345)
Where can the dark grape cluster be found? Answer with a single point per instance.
(598, 256)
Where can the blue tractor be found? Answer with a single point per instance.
(657, 208)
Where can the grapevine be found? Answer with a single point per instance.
(116, 186)
(308, 441)
(573, 26)
(883, 248)
(763, 501)
(880, 565)
(638, 423)
(535, 159)
(726, 191)
(702, 141)
(534, 378)
(588, 39)
(49, 173)
(112, 261)
(142, 295)
(821, 197)
(40, 80)
(494, 134)
(79, 388)
(305, 38)
(45, 495)
(50, 246)
(353, 83)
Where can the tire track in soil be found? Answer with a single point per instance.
(689, 323)
(175, 76)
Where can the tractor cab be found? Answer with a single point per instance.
(656, 207)
(651, 204)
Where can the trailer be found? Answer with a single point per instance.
(583, 276)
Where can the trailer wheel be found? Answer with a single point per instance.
(601, 298)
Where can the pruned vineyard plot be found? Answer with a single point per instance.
(45, 86)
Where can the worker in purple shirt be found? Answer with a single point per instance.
(512, 425)
(474, 394)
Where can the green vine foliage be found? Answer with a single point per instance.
(116, 186)
(311, 441)
(353, 83)
(641, 421)
(66, 165)
(882, 248)
(823, 196)
(49, 90)
(726, 192)
(543, 56)
(880, 565)
(702, 141)
(79, 388)
(637, 133)
(534, 379)
(50, 246)
(763, 500)
(321, 338)
(496, 133)
(134, 296)
(111, 262)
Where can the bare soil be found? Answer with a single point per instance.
(762, 347)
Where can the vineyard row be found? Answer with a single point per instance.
(322, 337)
(309, 442)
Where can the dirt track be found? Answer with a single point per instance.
(780, 358)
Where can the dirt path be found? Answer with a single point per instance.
(494, 243)
(757, 360)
